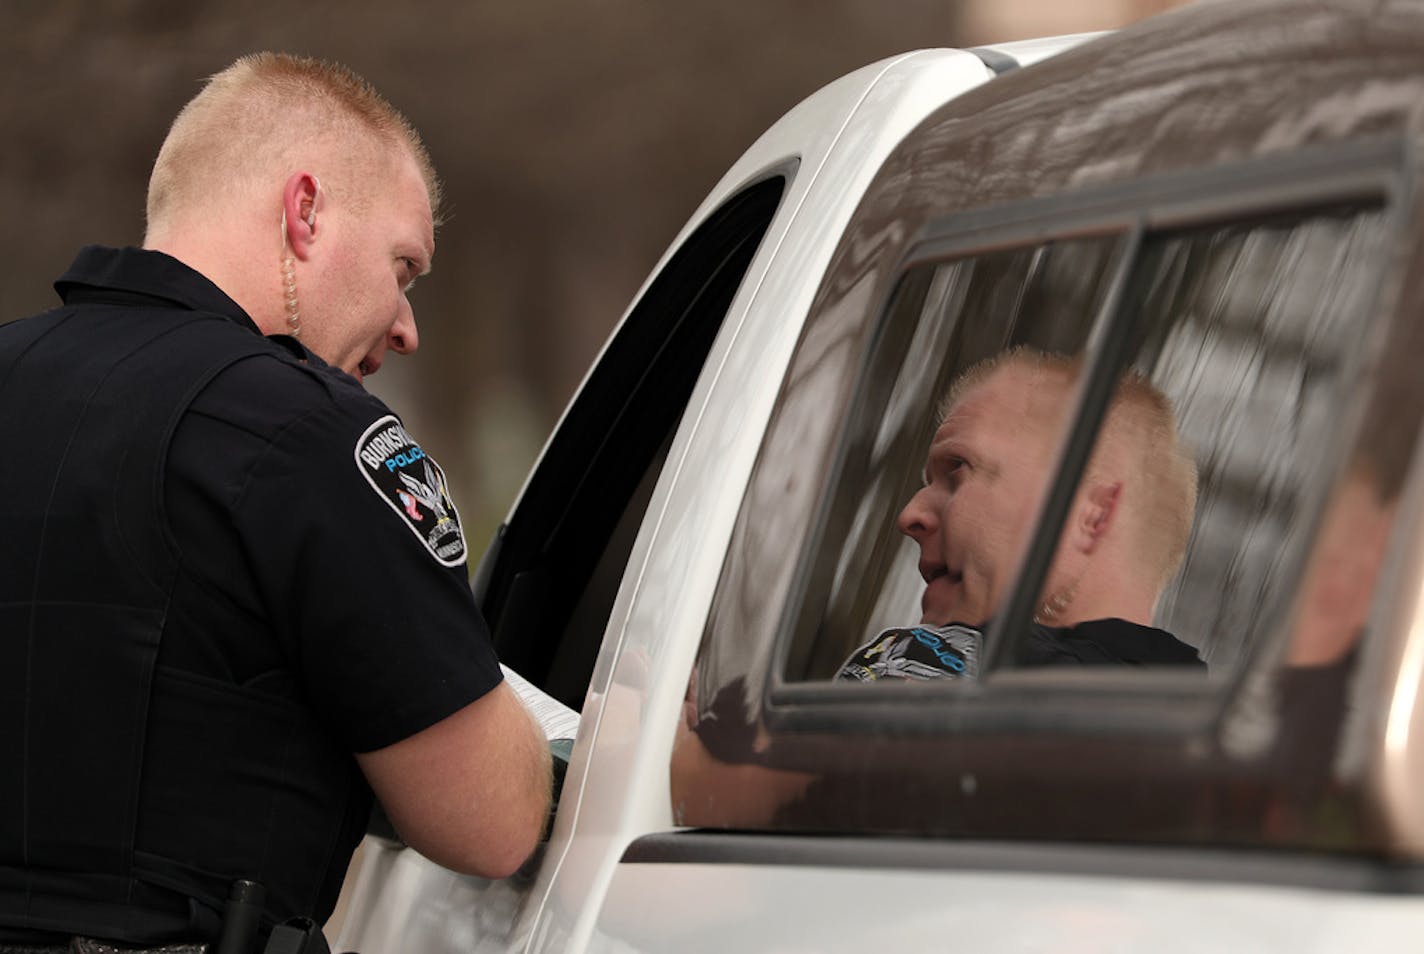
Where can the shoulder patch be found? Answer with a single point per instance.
(413, 485)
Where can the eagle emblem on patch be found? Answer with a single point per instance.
(401, 473)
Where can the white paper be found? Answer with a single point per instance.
(556, 719)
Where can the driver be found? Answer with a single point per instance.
(987, 469)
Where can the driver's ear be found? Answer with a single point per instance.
(1093, 515)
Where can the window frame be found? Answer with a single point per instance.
(1152, 704)
(592, 483)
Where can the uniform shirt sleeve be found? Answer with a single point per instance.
(369, 599)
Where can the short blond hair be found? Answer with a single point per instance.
(258, 119)
(1139, 433)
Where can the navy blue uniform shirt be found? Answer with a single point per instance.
(228, 568)
(283, 530)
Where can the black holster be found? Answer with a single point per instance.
(243, 920)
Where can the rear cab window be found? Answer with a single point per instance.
(1246, 299)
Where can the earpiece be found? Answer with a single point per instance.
(311, 216)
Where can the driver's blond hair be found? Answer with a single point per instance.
(269, 113)
(1139, 434)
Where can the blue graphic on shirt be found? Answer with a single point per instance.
(917, 652)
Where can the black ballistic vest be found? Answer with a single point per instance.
(132, 795)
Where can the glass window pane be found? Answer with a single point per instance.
(1239, 340)
(949, 316)
(1251, 332)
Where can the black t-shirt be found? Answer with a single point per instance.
(953, 650)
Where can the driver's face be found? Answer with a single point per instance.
(988, 465)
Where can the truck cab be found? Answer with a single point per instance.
(1221, 200)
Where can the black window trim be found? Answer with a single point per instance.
(1217, 865)
(605, 414)
(1105, 346)
(1373, 170)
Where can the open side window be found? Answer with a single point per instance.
(548, 581)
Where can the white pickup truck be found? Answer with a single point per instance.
(1224, 198)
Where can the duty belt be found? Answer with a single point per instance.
(85, 945)
(241, 923)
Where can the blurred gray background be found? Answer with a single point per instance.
(574, 140)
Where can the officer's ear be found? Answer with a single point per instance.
(301, 200)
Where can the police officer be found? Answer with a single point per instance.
(233, 594)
